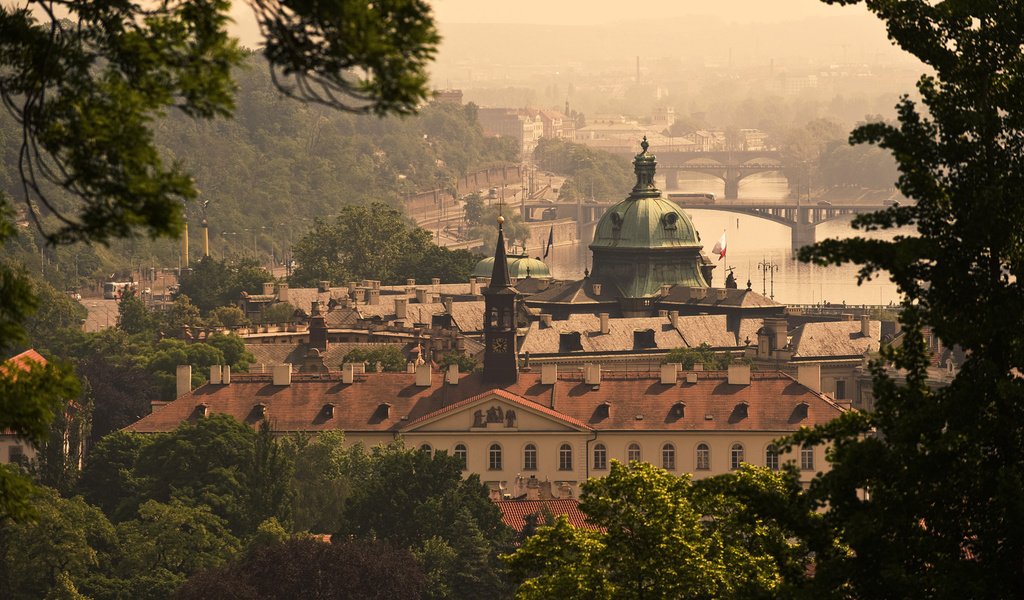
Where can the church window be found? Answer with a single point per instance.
(565, 458)
(703, 457)
(494, 458)
(530, 458)
(461, 454)
(600, 457)
(633, 452)
(668, 457)
(735, 456)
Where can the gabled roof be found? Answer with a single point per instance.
(24, 361)
(580, 291)
(496, 393)
(832, 339)
(514, 512)
(637, 402)
(737, 298)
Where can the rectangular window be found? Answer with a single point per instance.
(565, 458)
(840, 389)
(668, 457)
(600, 458)
(771, 459)
(494, 458)
(807, 459)
(703, 457)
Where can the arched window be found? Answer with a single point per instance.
(703, 457)
(807, 459)
(771, 458)
(426, 448)
(735, 456)
(633, 452)
(494, 458)
(668, 457)
(530, 458)
(461, 454)
(600, 457)
(565, 457)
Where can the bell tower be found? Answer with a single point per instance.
(500, 357)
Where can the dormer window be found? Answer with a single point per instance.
(603, 411)
(328, 411)
(616, 221)
(259, 411)
(668, 221)
(800, 412)
(740, 412)
(202, 410)
(643, 339)
(570, 342)
(384, 410)
(678, 410)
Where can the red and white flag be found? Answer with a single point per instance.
(719, 248)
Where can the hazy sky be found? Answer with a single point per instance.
(600, 12)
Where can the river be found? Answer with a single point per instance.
(753, 241)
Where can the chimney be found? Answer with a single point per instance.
(421, 295)
(669, 373)
(282, 292)
(324, 286)
(548, 374)
(662, 313)
(473, 290)
(268, 288)
(348, 373)
(605, 327)
(352, 285)
(533, 489)
(215, 375)
(592, 374)
(410, 282)
(545, 321)
(451, 376)
(282, 374)
(691, 377)
(401, 308)
(865, 326)
(596, 287)
(673, 317)
(448, 305)
(846, 317)
(225, 374)
(698, 293)
(739, 374)
(423, 375)
(373, 296)
(665, 289)
(183, 380)
(410, 368)
(721, 294)
(435, 281)
(809, 376)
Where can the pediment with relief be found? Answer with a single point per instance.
(493, 413)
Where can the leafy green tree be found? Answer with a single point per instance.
(216, 283)
(228, 316)
(701, 355)
(390, 357)
(440, 504)
(134, 317)
(592, 174)
(374, 242)
(56, 311)
(929, 507)
(662, 537)
(61, 544)
(166, 544)
(281, 312)
(466, 363)
(322, 480)
(108, 478)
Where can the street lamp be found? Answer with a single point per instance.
(767, 268)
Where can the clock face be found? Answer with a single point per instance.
(499, 345)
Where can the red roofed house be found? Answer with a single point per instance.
(12, 448)
(513, 427)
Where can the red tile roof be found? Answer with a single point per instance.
(514, 512)
(636, 402)
(501, 394)
(23, 361)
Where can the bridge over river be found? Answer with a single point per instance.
(802, 217)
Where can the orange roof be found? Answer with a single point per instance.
(514, 512)
(24, 361)
(392, 403)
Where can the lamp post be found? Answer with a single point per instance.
(767, 268)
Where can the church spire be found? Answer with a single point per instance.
(499, 274)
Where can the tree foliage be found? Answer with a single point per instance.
(942, 515)
(213, 283)
(660, 536)
(389, 356)
(592, 174)
(374, 242)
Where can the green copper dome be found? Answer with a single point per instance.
(519, 267)
(645, 219)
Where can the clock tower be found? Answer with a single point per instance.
(500, 357)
